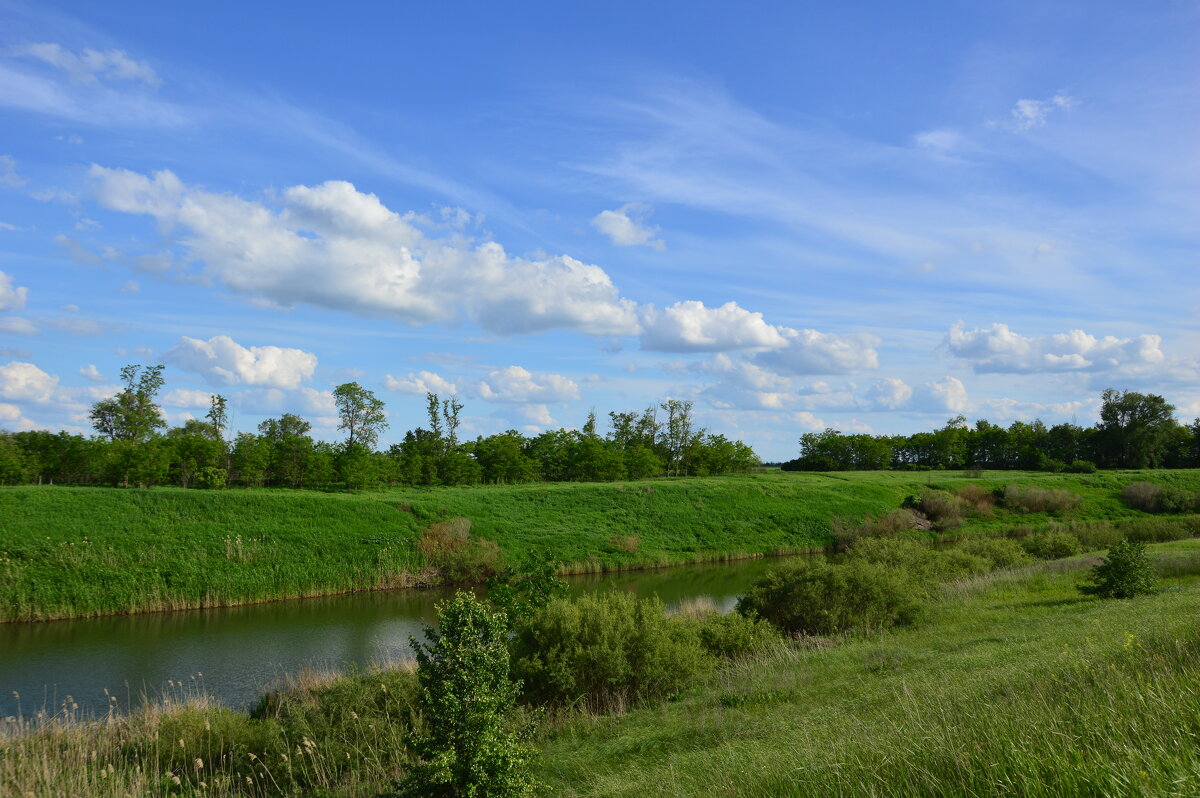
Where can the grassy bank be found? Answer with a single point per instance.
(75, 552)
(1015, 685)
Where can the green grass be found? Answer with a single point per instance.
(76, 552)
(1016, 685)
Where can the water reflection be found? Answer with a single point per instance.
(237, 652)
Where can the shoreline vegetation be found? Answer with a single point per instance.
(85, 552)
(1010, 682)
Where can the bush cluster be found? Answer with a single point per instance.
(1126, 572)
(817, 597)
(1026, 499)
(1052, 545)
(999, 552)
(1151, 497)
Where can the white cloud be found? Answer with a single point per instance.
(948, 394)
(223, 361)
(321, 402)
(12, 297)
(9, 412)
(890, 393)
(537, 416)
(808, 421)
(744, 385)
(997, 349)
(17, 326)
(420, 383)
(939, 139)
(186, 397)
(131, 287)
(1029, 114)
(25, 382)
(90, 66)
(8, 175)
(333, 246)
(92, 373)
(813, 352)
(518, 385)
(692, 327)
(626, 226)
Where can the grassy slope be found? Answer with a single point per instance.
(1019, 686)
(1016, 686)
(85, 551)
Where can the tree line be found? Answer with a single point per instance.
(133, 447)
(1135, 430)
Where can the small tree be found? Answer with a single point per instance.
(1126, 572)
(520, 593)
(361, 412)
(467, 698)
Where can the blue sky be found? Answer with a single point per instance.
(865, 216)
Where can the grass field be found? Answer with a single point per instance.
(1015, 685)
(75, 552)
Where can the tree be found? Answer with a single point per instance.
(218, 415)
(1134, 428)
(467, 699)
(361, 413)
(1126, 572)
(131, 415)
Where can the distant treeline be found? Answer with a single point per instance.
(1135, 431)
(133, 447)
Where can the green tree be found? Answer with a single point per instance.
(470, 748)
(1126, 572)
(1134, 428)
(362, 416)
(131, 415)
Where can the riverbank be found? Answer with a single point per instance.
(83, 552)
(1015, 684)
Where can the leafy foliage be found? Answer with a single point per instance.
(1126, 572)
(470, 748)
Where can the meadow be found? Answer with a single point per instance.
(1014, 685)
(78, 552)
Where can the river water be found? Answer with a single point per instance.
(235, 654)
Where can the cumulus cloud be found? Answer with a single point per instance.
(518, 385)
(997, 349)
(1030, 114)
(336, 247)
(813, 352)
(692, 327)
(891, 393)
(92, 373)
(947, 394)
(186, 397)
(420, 383)
(809, 422)
(90, 66)
(12, 297)
(626, 227)
(25, 382)
(746, 386)
(223, 361)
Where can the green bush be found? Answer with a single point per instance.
(1126, 572)
(210, 478)
(920, 561)
(999, 552)
(814, 596)
(1052, 545)
(732, 635)
(470, 748)
(1082, 467)
(1028, 499)
(1094, 535)
(607, 648)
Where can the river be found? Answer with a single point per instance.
(235, 654)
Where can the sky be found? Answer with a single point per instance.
(871, 217)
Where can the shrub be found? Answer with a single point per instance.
(733, 635)
(1052, 545)
(944, 509)
(466, 698)
(1160, 530)
(210, 478)
(1093, 535)
(904, 519)
(981, 499)
(1082, 467)
(814, 596)
(1126, 572)
(999, 552)
(1025, 499)
(449, 547)
(520, 593)
(606, 649)
(626, 543)
(1151, 497)
(920, 561)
